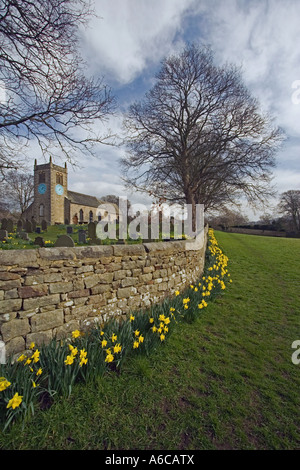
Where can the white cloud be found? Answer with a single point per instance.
(132, 34)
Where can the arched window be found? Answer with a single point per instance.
(41, 210)
(81, 215)
(59, 178)
(91, 216)
(42, 177)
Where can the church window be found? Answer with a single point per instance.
(41, 210)
(59, 178)
(91, 216)
(42, 177)
(81, 215)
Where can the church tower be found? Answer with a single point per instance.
(50, 190)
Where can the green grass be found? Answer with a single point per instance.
(14, 242)
(224, 382)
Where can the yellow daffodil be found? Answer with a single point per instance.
(117, 348)
(4, 384)
(114, 338)
(76, 334)
(22, 358)
(15, 401)
(69, 360)
(109, 358)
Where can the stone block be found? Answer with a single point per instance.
(39, 338)
(16, 345)
(56, 253)
(91, 281)
(32, 303)
(26, 258)
(60, 287)
(10, 305)
(47, 320)
(129, 250)
(118, 275)
(7, 285)
(33, 291)
(129, 281)
(79, 293)
(8, 276)
(93, 251)
(126, 292)
(14, 328)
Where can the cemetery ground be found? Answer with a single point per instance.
(28, 239)
(226, 381)
(14, 238)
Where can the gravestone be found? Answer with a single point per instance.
(33, 224)
(19, 225)
(70, 229)
(38, 230)
(24, 236)
(44, 225)
(92, 231)
(4, 224)
(28, 226)
(39, 241)
(81, 236)
(3, 235)
(64, 240)
(10, 226)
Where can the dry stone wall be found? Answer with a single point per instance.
(49, 292)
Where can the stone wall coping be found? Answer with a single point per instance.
(31, 257)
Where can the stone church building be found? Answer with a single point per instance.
(54, 203)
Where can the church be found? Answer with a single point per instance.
(54, 203)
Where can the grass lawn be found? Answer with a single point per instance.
(224, 382)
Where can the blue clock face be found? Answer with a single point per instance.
(59, 189)
(42, 188)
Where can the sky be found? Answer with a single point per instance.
(128, 39)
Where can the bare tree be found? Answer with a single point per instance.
(198, 136)
(46, 96)
(289, 205)
(17, 190)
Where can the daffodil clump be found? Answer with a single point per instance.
(20, 386)
(55, 368)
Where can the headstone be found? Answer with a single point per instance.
(92, 231)
(28, 226)
(3, 235)
(38, 230)
(24, 236)
(39, 241)
(81, 236)
(19, 225)
(44, 225)
(70, 229)
(4, 224)
(64, 240)
(33, 224)
(10, 226)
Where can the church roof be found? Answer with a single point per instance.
(83, 199)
